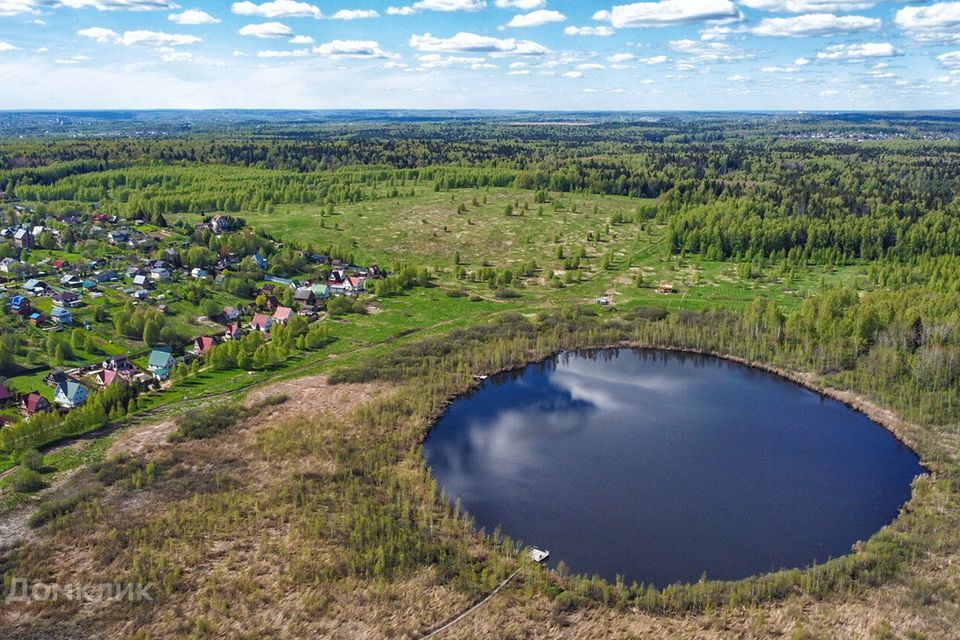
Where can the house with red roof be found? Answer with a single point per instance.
(33, 403)
(108, 377)
(261, 322)
(202, 345)
(283, 314)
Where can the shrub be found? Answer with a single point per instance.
(53, 509)
(31, 459)
(27, 480)
(207, 423)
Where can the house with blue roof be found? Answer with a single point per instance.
(70, 394)
(61, 315)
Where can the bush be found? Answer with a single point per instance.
(31, 459)
(207, 423)
(27, 480)
(53, 509)
(115, 469)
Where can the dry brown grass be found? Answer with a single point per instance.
(244, 553)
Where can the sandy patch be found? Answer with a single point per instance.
(141, 440)
(313, 396)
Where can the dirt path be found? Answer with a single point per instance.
(451, 623)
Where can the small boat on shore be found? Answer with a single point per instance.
(539, 555)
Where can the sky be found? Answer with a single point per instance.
(488, 54)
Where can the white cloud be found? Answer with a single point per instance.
(17, 7)
(71, 60)
(700, 51)
(354, 14)
(519, 72)
(437, 61)
(653, 60)
(739, 78)
(138, 37)
(110, 5)
(99, 34)
(266, 30)
(940, 21)
(193, 17)
(473, 43)
(667, 13)
(155, 39)
(814, 24)
(352, 49)
(573, 74)
(278, 9)
(6, 46)
(536, 19)
(522, 5)
(810, 6)
(858, 51)
(950, 59)
(296, 53)
(301, 40)
(618, 58)
(589, 31)
(438, 5)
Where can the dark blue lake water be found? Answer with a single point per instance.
(661, 467)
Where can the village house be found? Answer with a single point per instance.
(22, 239)
(321, 291)
(233, 332)
(305, 296)
(120, 363)
(142, 282)
(107, 276)
(70, 394)
(6, 396)
(61, 316)
(198, 273)
(35, 286)
(20, 305)
(66, 299)
(56, 376)
(160, 274)
(230, 314)
(9, 265)
(106, 377)
(118, 237)
(71, 281)
(161, 358)
(353, 284)
(221, 224)
(260, 261)
(283, 314)
(33, 403)
(36, 318)
(261, 322)
(202, 345)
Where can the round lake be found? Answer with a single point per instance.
(662, 467)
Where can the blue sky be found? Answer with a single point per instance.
(527, 54)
